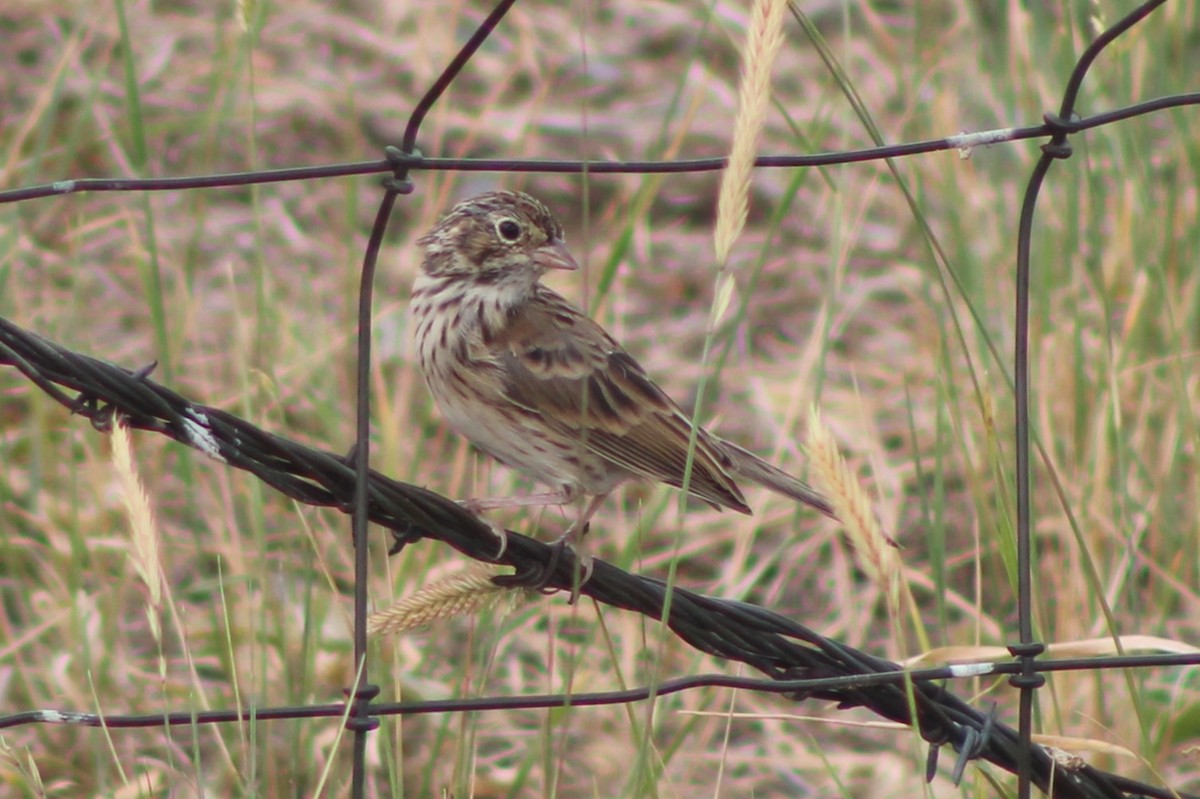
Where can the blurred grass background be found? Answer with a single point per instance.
(247, 298)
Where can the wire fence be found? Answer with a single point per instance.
(799, 663)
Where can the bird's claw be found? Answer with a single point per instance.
(501, 534)
(537, 579)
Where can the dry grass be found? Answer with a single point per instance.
(834, 304)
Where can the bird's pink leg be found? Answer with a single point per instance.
(573, 538)
(563, 496)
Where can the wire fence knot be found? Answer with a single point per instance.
(401, 162)
(1026, 653)
(1058, 146)
(359, 720)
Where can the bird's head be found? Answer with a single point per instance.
(503, 239)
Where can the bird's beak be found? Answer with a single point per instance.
(555, 255)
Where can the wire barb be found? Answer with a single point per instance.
(975, 743)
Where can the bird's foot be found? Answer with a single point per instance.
(537, 578)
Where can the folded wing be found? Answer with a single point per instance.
(556, 362)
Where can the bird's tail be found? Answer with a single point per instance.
(748, 465)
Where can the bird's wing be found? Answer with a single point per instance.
(560, 364)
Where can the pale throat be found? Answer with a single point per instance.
(495, 301)
(478, 309)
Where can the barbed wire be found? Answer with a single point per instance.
(800, 662)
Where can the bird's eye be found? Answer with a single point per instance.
(508, 229)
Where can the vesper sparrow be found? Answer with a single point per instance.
(531, 380)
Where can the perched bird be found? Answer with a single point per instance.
(534, 382)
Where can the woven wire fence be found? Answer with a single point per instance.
(799, 663)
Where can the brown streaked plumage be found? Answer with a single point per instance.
(531, 380)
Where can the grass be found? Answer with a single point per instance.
(247, 299)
